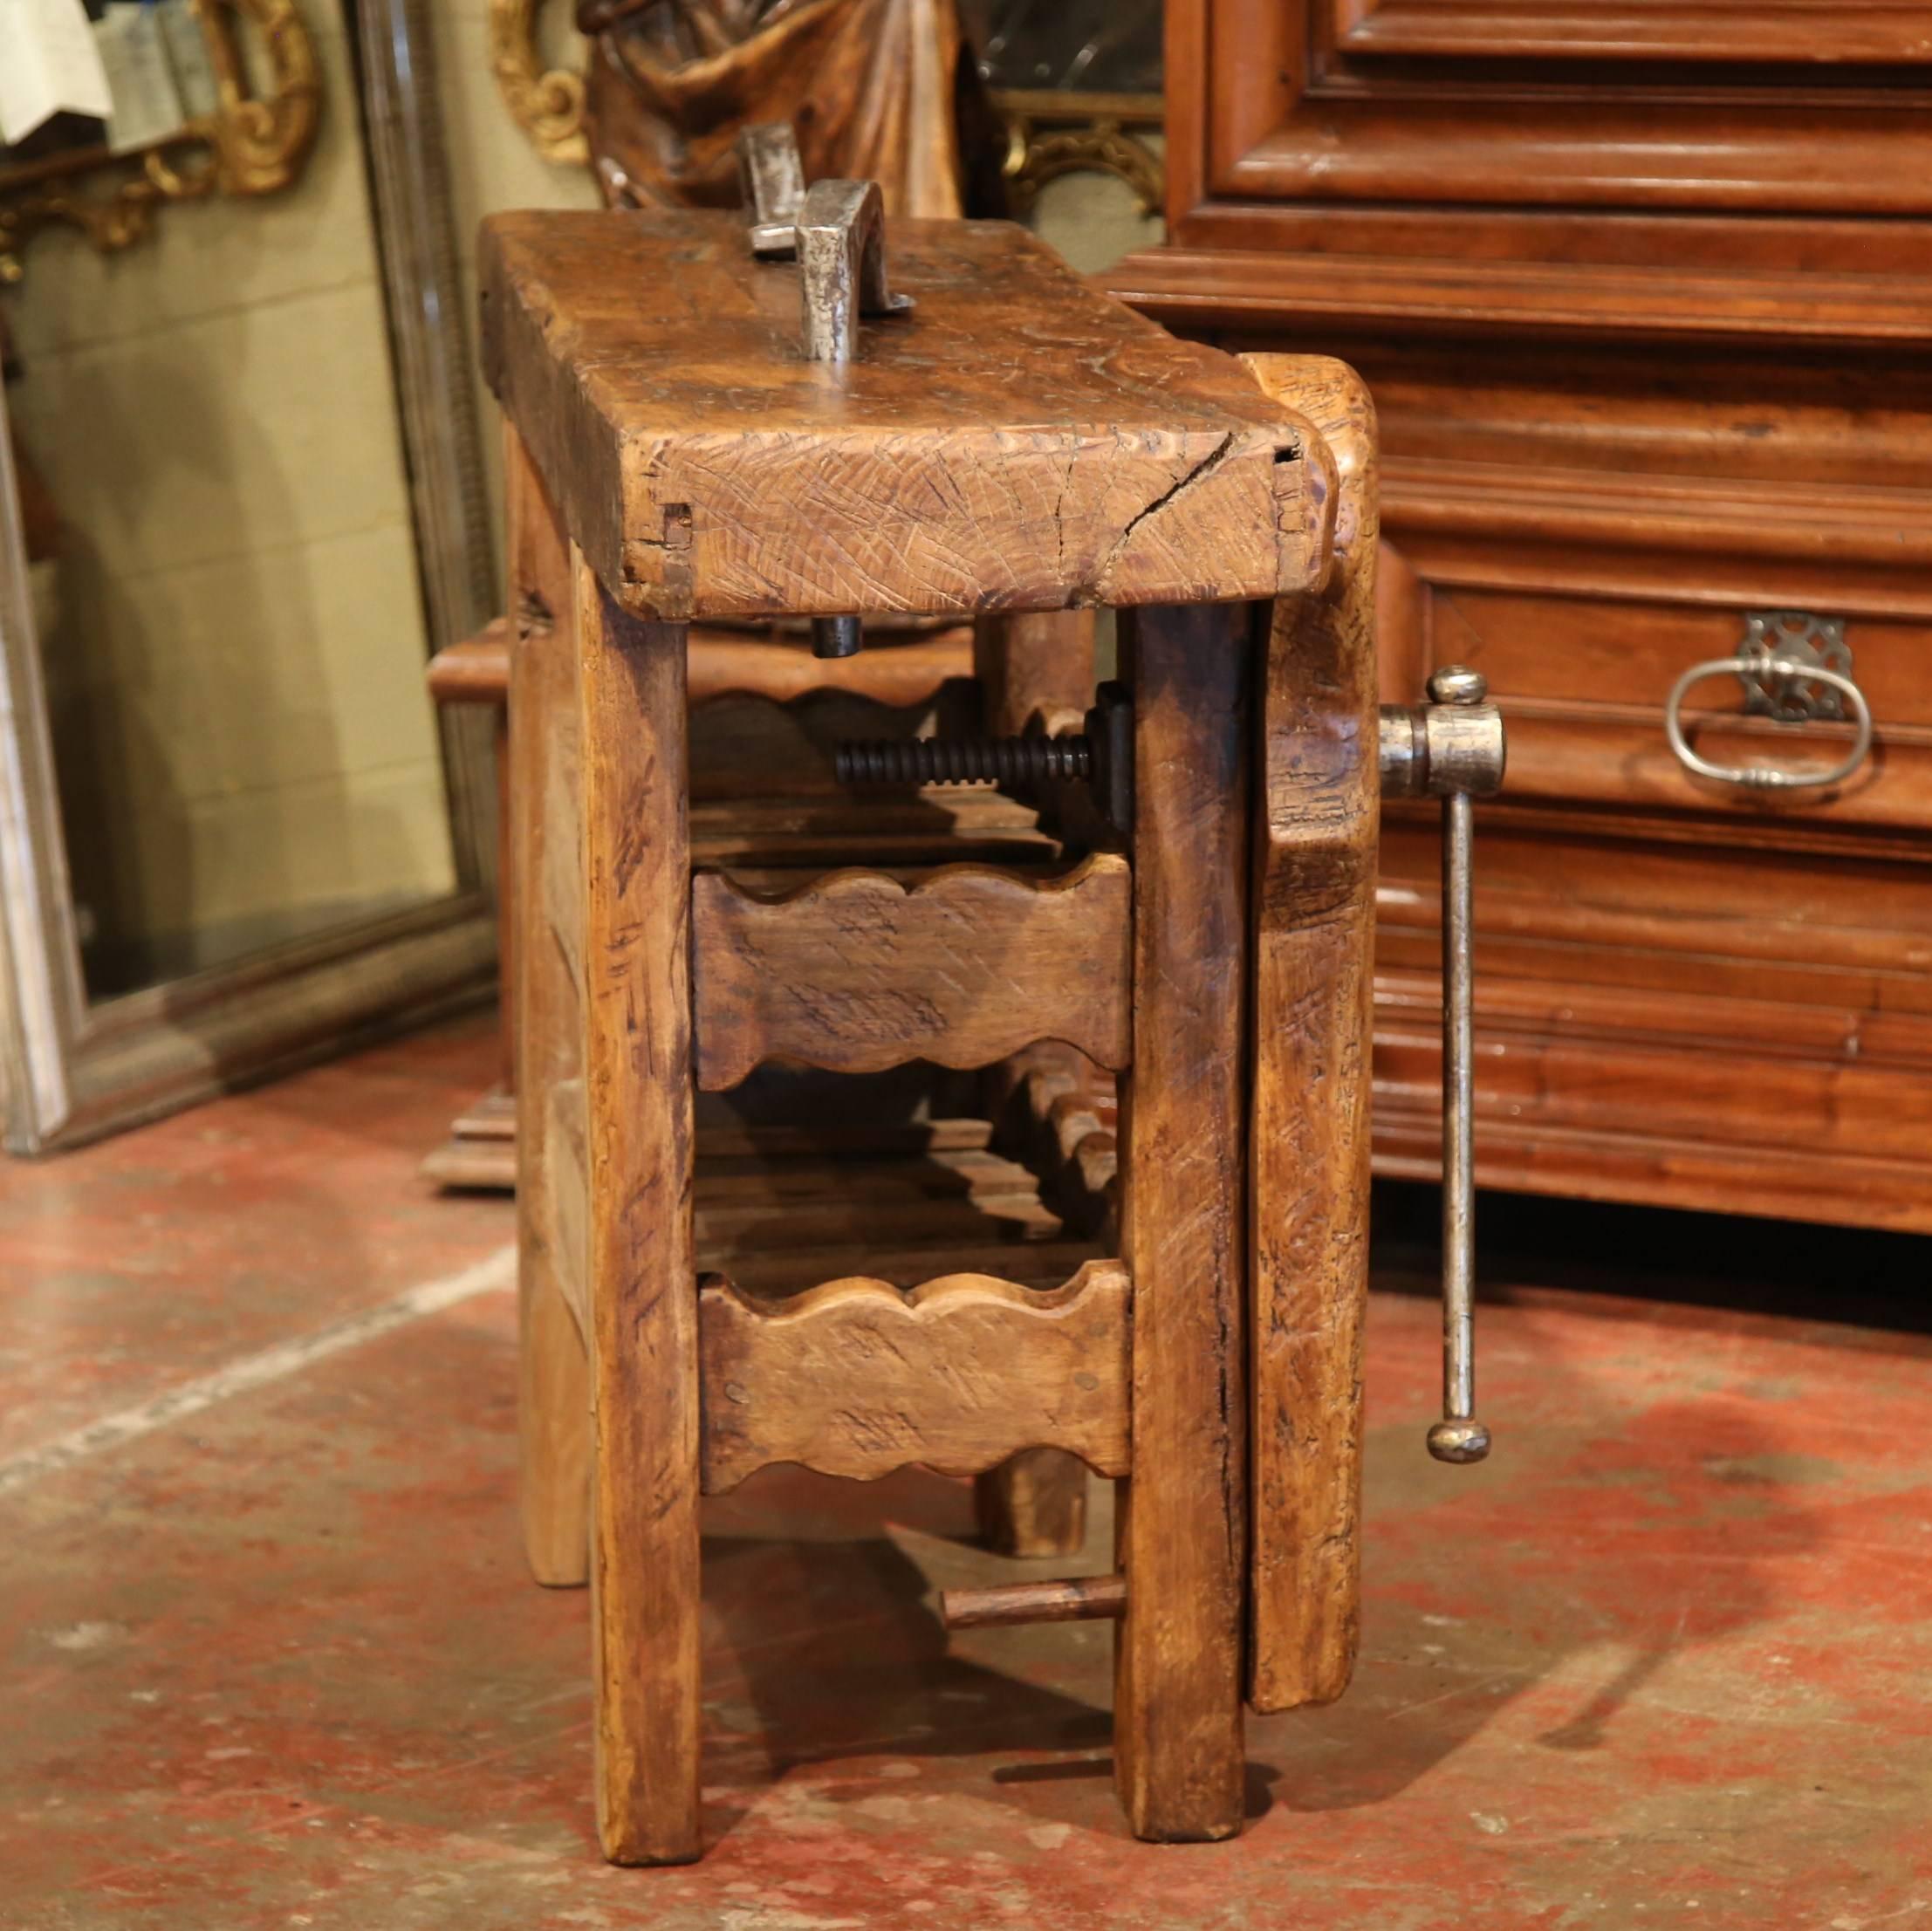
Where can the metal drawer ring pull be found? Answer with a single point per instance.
(1769, 778)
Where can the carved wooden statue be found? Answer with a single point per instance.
(881, 90)
(700, 433)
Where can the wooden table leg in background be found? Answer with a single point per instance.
(641, 1240)
(1033, 1505)
(546, 865)
(1177, 1724)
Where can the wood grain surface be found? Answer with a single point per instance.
(475, 670)
(545, 863)
(1079, 1599)
(855, 972)
(855, 1379)
(1182, 1529)
(641, 1248)
(1017, 443)
(1313, 957)
(906, 668)
(1037, 673)
(898, 670)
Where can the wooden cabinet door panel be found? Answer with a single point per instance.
(1824, 33)
(1802, 1012)
(1535, 103)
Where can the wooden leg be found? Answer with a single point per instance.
(1315, 908)
(640, 1238)
(542, 884)
(1034, 1504)
(506, 904)
(1177, 1729)
(1034, 667)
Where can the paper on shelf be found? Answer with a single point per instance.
(187, 55)
(49, 65)
(147, 105)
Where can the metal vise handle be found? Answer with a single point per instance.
(1452, 748)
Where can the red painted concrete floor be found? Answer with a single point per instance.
(270, 1657)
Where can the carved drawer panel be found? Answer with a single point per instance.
(1588, 684)
(1678, 922)
(1661, 1018)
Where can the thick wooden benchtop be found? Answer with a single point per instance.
(1017, 441)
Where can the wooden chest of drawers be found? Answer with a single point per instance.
(1644, 295)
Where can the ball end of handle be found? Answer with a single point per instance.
(1462, 1442)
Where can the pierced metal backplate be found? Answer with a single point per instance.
(1792, 637)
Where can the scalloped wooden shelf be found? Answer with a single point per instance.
(854, 1377)
(856, 972)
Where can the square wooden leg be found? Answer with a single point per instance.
(1178, 1725)
(546, 861)
(640, 1237)
(1313, 985)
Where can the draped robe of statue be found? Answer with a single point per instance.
(884, 90)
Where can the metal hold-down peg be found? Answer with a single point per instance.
(1452, 748)
(836, 231)
(771, 178)
(841, 230)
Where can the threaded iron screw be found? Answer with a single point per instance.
(1010, 761)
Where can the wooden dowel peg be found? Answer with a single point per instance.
(1078, 1599)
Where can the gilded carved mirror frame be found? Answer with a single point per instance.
(251, 143)
(72, 1069)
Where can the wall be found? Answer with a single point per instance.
(1094, 219)
(245, 746)
(493, 165)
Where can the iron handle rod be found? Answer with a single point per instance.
(1452, 748)
(1458, 1436)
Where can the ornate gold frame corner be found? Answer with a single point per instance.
(547, 103)
(250, 144)
(1049, 133)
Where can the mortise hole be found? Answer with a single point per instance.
(534, 616)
